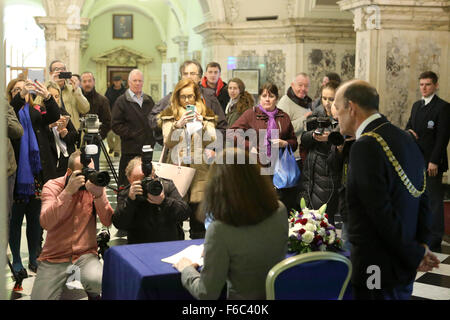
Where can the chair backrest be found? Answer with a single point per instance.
(309, 276)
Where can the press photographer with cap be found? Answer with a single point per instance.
(150, 209)
(69, 208)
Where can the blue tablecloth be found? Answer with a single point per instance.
(136, 272)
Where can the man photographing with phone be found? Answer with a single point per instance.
(72, 99)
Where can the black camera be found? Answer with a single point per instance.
(99, 178)
(90, 123)
(319, 124)
(149, 185)
(102, 241)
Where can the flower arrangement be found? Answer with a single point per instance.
(309, 230)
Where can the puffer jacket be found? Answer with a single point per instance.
(320, 181)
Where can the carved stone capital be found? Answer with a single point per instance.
(403, 14)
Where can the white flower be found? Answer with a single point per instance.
(332, 237)
(322, 232)
(308, 237)
(310, 227)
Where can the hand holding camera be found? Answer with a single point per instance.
(135, 190)
(76, 181)
(156, 199)
(95, 190)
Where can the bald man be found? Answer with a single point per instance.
(389, 217)
(129, 121)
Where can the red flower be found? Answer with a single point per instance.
(323, 224)
(298, 221)
(326, 215)
(301, 231)
(304, 221)
(318, 238)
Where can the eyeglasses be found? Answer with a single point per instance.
(188, 97)
(189, 74)
(60, 69)
(328, 99)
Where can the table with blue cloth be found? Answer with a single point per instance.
(136, 272)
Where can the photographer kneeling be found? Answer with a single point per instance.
(69, 208)
(147, 212)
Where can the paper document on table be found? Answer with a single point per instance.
(193, 253)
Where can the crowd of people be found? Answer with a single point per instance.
(334, 139)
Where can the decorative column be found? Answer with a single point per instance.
(182, 42)
(62, 26)
(395, 42)
(162, 49)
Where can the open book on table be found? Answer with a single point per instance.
(193, 252)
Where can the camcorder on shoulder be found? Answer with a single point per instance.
(149, 185)
(320, 124)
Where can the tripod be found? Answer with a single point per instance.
(95, 138)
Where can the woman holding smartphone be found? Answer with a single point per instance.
(188, 127)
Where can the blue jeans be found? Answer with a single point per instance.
(32, 211)
(401, 292)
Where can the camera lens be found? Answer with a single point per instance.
(100, 179)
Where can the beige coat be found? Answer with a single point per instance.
(174, 141)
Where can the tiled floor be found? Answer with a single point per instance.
(433, 285)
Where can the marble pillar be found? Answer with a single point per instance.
(63, 26)
(395, 42)
(182, 42)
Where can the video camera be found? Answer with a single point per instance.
(90, 123)
(319, 124)
(149, 185)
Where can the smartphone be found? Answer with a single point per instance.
(190, 108)
(65, 75)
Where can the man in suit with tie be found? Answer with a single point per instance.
(388, 218)
(429, 124)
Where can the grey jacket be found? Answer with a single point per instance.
(15, 131)
(240, 257)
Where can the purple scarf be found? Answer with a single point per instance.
(271, 125)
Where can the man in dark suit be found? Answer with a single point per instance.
(388, 218)
(429, 124)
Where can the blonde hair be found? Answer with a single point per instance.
(136, 161)
(11, 85)
(175, 104)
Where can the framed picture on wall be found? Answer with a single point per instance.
(250, 77)
(116, 72)
(122, 26)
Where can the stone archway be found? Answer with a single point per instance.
(120, 57)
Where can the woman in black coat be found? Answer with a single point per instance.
(319, 181)
(34, 166)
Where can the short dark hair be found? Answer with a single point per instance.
(188, 62)
(331, 85)
(270, 87)
(86, 72)
(362, 94)
(332, 76)
(213, 65)
(52, 63)
(429, 75)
